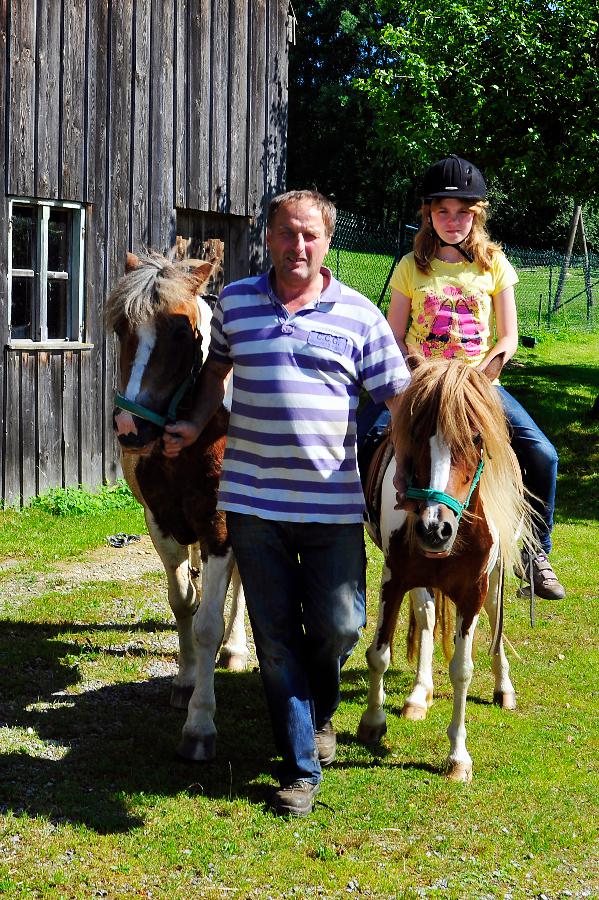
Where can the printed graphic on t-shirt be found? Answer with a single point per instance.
(453, 323)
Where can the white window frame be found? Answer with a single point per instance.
(40, 276)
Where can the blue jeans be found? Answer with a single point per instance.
(538, 462)
(535, 453)
(305, 587)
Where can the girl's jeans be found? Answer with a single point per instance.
(535, 453)
(305, 587)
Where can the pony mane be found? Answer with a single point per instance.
(453, 397)
(155, 286)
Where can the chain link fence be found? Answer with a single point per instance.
(550, 296)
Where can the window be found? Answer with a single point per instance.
(45, 273)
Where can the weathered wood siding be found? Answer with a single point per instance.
(151, 112)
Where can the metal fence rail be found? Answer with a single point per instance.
(364, 253)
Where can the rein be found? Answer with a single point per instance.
(456, 506)
(143, 412)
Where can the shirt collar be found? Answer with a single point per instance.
(331, 293)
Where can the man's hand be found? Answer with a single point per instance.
(179, 435)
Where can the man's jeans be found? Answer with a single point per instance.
(305, 587)
(535, 453)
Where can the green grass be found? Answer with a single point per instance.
(368, 273)
(94, 802)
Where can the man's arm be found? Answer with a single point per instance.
(211, 392)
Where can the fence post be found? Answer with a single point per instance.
(566, 261)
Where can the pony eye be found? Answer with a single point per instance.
(476, 438)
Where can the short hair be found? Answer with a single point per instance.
(322, 203)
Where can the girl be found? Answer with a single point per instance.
(445, 298)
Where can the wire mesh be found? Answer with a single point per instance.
(549, 295)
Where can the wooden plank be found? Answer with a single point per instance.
(162, 140)
(29, 468)
(91, 369)
(70, 418)
(219, 118)
(73, 100)
(277, 98)
(140, 135)
(198, 129)
(181, 103)
(21, 112)
(48, 99)
(238, 264)
(257, 134)
(3, 232)
(238, 108)
(49, 420)
(11, 489)
(118, 187)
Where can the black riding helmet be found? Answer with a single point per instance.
(453, 177)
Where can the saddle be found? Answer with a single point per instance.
(373, 472)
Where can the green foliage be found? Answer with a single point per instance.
(511, 84)
(379, 90)
(73, 501)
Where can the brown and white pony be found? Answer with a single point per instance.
(162, 324)
(454, 538)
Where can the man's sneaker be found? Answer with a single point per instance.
(326, 743)
(297, 799)
(544, 579)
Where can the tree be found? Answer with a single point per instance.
(511, 84)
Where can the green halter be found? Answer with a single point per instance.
(143, 412)
(458, 508)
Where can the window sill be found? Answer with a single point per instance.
(48, 345)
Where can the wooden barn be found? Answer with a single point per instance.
(124, 124)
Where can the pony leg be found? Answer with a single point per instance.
(198, 739)
(373, 723)
(504, 694)
(234, 652)
(459, 761)
(182, 601)
(417, 703)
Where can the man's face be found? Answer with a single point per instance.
(297, 242)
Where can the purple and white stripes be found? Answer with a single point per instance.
(291, 452)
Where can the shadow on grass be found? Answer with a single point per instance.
(87, 754)
(551, 394)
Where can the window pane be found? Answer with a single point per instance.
(57, 309)
(23, 237)
(21, 308)
(58, 240)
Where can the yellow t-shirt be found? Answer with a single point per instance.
(452, 307)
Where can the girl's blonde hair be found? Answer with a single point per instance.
(478, 243)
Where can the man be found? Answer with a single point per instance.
(301, 345)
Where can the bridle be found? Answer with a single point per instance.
(414, 493)
(144, 412)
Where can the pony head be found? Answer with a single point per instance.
(162, 327)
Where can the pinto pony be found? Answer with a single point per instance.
(453, 538)
(162, 324)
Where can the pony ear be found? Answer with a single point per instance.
(201, 271)
(131, 262)
(414, 360)
(493, 370)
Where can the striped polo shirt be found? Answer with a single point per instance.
(291, 443)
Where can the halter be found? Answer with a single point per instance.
(143, 412)
(456, 506)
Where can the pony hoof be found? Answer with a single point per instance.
(200, 749)
(232, 662)
(414, 712)
(180, 695)
(459, 771)
(505, 699)
(370, 734)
